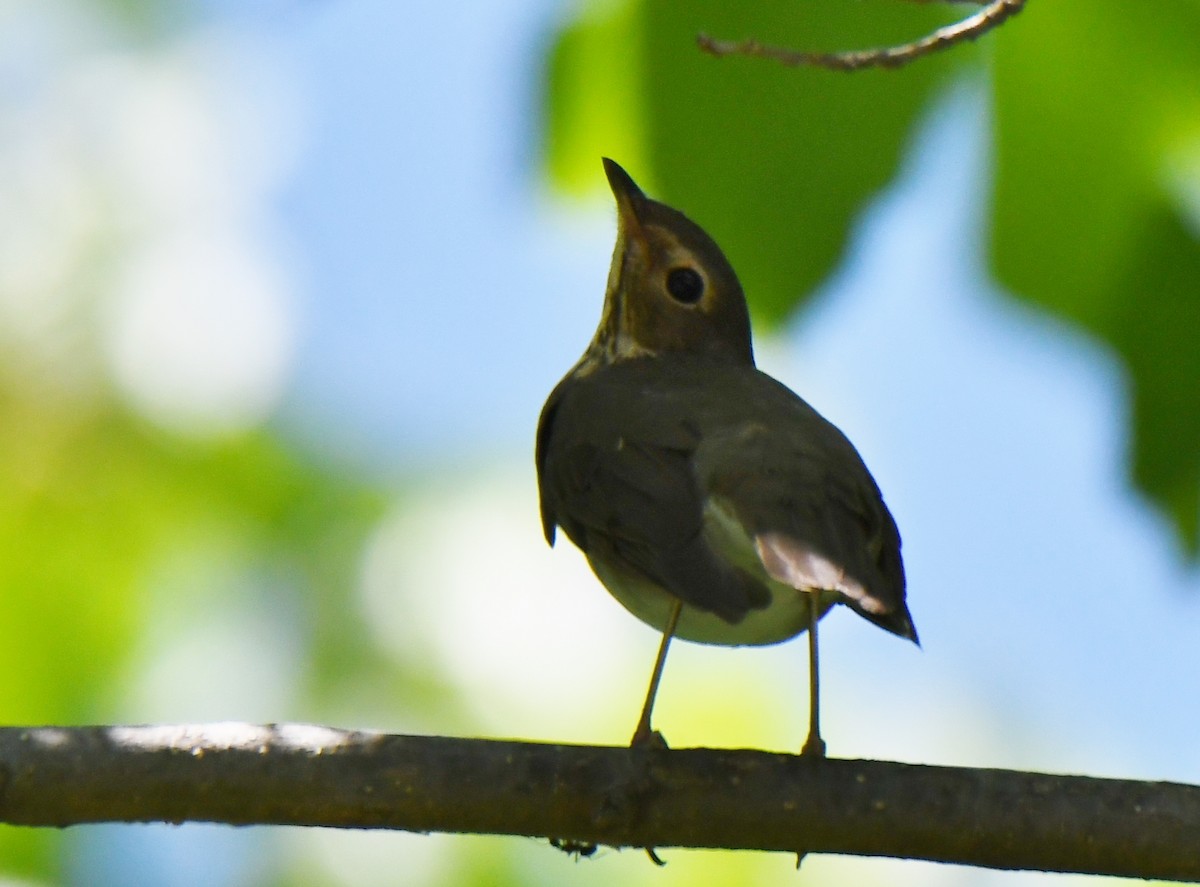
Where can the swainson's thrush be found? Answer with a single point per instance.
(714, 504)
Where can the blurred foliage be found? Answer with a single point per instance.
(91, 500)
(1097, 149)
(1097, 153)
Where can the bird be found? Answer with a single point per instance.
(710, 500)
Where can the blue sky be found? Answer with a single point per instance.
(440, 275)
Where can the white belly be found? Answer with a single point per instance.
(785, 617)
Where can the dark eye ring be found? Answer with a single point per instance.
(685, 285)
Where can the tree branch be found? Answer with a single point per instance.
(970, 28)
(739, 799)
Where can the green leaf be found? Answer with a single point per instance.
(1097, 115)
(593, 105)
(775, 162)
(1156, 332)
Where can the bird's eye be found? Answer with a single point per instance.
(685, 285)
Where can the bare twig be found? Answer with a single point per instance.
(970, 28)
(642, 797)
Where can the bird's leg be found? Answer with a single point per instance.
(814, 745)
(643, 735)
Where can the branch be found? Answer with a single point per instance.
(292, 774)
(970, 28)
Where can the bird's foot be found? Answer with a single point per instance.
(814, 747)
(644, 737)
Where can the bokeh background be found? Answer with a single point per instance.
(283, 284)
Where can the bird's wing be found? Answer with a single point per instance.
(631, 500)
(802, 493)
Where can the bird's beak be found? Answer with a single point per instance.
(630, 199)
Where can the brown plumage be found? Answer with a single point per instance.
(710, 500)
